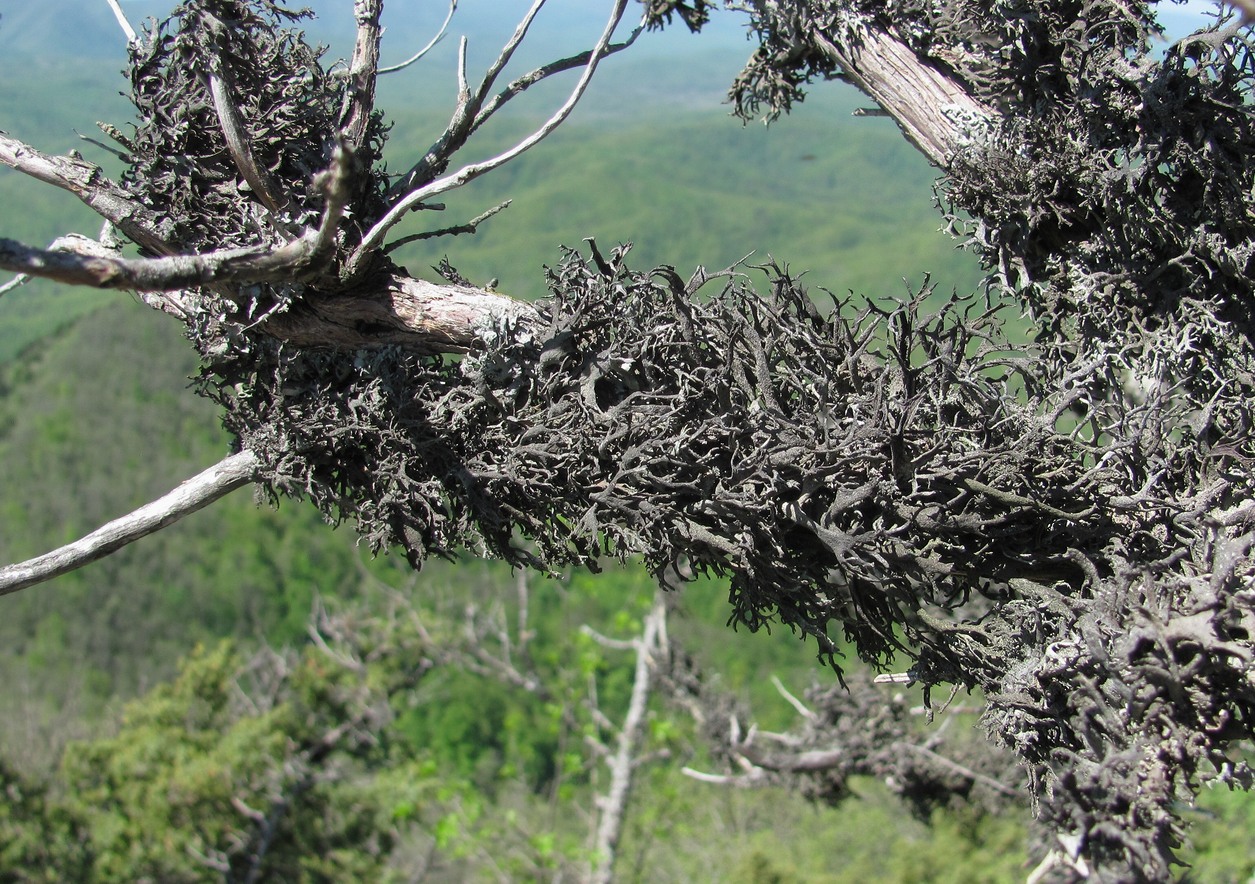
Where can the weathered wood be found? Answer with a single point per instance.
(89, 184)
(196, 493)
(423, 316)
(934, 111)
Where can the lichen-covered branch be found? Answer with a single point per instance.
(1066, 526)
(85, 180)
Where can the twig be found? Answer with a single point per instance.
(16, 282)
(374, 238)
(526, 81)
(317, 617)
(453, 5)
(457, 229)
(131, 36)
(792, 700)
(81, 261)
(464, 114)
(100, 144)
(743, 781)
(906, 678)
(1013, 499)
(196, 493)
(613, 644)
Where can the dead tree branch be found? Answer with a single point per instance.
(651, 650)
(86, 181)
(359, 97)
(374, 238)
(431, 44)
(196, 493)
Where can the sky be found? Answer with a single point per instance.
(482, 17)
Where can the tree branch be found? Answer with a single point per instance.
(122, 22)
(359, 98)
(444, 27)
(452, 230)
(649, 647)
(374, 238)
(521, 84)
(221, 86)
(423, 316)
(76, 260)
(927, 104)
(196, 493)
(89, 184)
(157, 274)
(399, 310)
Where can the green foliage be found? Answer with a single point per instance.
(269, 764)
(40, 841)
(1222, 838)
(92, 424)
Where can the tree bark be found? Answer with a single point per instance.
(422, 316)
(935, 112)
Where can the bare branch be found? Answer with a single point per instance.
(420, 315)
(16, 282)
(793, 701)
(924, 102)
(455, 230)
(71, 242)
(359, 98)
(650, 646)
(444, 27)
(374, 238)
(77, 260)
(423, 316)
(221, 87)
(237, 141)
(613, 644)
(86, 181)
(507, 51)
(131, 36)
(216, 482)
(753, 779)
(158, 274)
(521, 84)
(461, 124)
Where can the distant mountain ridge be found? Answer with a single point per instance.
(31, 30)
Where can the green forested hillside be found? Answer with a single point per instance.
(93, 422)
(844, 198)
